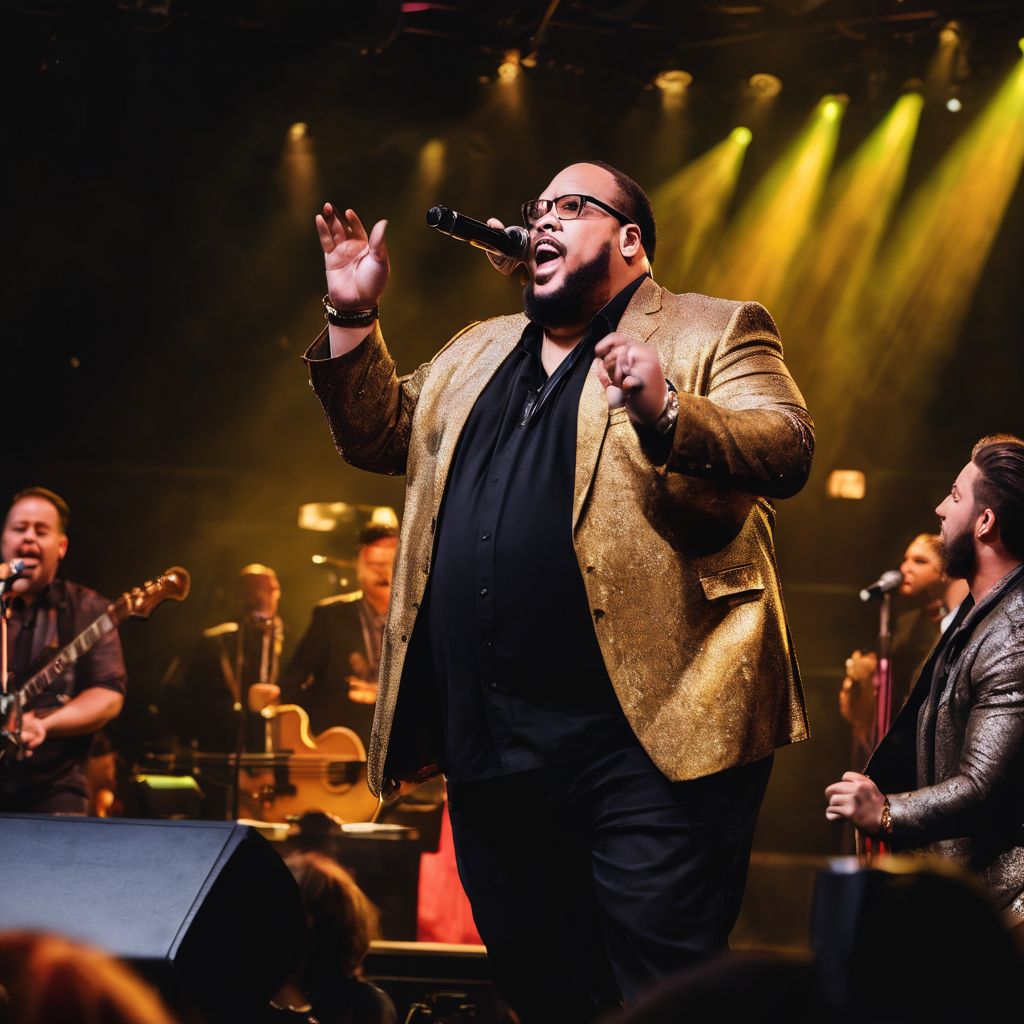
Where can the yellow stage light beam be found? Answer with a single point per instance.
(857, 209)
(431, 164)
(941, 68)
(926, 278)
(691, 207)
(766, 236)
(896, 338)
(298, 163)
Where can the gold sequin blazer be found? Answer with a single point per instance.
(676, 555)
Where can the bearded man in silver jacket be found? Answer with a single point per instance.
(947, 779)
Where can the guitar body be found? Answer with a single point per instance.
(325, 774)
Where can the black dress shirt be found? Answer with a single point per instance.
(521, 679)
(35, 632)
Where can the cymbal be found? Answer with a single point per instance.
(327, 516)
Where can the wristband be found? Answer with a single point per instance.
(349, 317)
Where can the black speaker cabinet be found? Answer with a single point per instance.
(206, 911)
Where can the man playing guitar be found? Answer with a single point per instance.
(45, 613)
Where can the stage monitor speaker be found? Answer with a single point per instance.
(207, 911)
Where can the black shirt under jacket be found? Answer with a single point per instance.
(521, 680)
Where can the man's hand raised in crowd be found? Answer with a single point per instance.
(631, 374)
(357, 269)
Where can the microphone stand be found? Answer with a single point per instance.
(883, 677)
(883, 702)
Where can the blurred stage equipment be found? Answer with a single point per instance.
(206, 911)
(432, 981)
(325, 516)
(957, 960)
(297, 775)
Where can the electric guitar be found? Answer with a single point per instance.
(136, 603)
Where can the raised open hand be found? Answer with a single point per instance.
(357, 266)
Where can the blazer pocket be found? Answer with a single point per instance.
(737, 579)
(619, 415)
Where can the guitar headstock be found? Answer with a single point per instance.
(139, 602)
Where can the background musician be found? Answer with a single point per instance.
(46, 613)
(233, 667)
(333, 672)
(925, 600)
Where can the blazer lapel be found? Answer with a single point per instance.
(639, 322)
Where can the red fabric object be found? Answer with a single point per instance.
(444, 914)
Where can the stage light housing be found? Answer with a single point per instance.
(742, 136)
(765, 85)
(832, 106)
(950, 34)
(953, 105)
(847, 484)
(298, 131)
(674, 81)
(509, 69)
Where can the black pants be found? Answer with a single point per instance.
(591, 881)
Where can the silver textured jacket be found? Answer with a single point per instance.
(953, 763)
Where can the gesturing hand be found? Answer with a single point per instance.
(631, 374)
(357, 266)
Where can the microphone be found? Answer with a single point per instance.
(513, 242)
(12, 570)
(886, 582)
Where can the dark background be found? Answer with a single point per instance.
(163, 276)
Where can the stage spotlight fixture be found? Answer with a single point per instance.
(741, 136)
(673, 82)
(849, 484)
(298, 131)
(765, 85)
(832, 107)
(950, 35)
(953, 105)
(509, 68)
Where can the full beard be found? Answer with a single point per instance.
(582, 294)
(961, 558)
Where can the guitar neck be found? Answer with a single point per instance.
(68, 656)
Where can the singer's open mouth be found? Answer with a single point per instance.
(545, 251)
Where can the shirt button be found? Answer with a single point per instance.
(494, 479)
(483, 591)
(493, 685)
(485, 536)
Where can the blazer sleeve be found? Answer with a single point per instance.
(369, 408)
(991, 759)
(751, 432)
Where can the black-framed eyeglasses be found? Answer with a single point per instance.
(566, 208)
